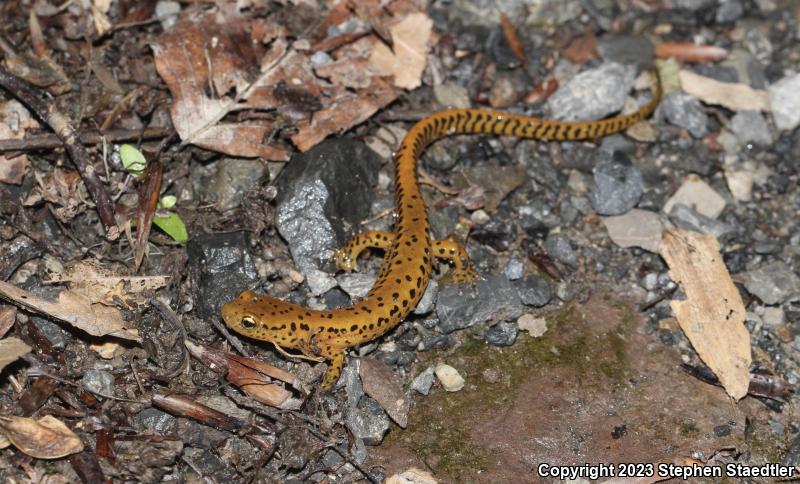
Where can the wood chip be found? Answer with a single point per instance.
(10, 350)
(712, 316)
(734, 96)
(689, 52)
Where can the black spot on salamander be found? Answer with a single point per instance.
(395, 296)
(394, 311)
(304, 326)
(412, 293)
(441, 251)
(371, 326)
(331, 329)
(405, 303)
(380, 305)
(293, 327)
(408, 277)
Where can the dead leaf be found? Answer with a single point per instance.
(734, 96)
(63, 189)
(10, 350)
(46, 438)
(15, 120)
(582, 49)
(689, 52)
(8, 315)
(198, 53)
(75, 309)
(249, 375)
(712, 316)
(408, 58)
(511, 38)
(101, 285)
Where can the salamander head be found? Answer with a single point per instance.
(264, 318)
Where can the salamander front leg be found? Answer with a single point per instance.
(334, 370)
(463, 273)
(347, 255)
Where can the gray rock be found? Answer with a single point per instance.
(693, 5)
(98, 381)
(54, 333)
(751, 127)
(451, 95)
(352, 383)
(438, 342)
(773, 283)
(626, 49)
(493, 298)
(534, 291)
(367, 421)
(684, 110)
(321, 194)
(221, 266)
(423, 382)
(636, 228)
(425, 304)
(211, 466)
(153, 419)
(729, 11)
(784, 101)
(232, 178)
(593, 94)
(688, 218)
(617, 185)
(503, 333)
(318, 281)
(514, 269)
(356, 284)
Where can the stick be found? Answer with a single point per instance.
(35, 100)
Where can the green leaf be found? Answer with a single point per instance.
(132, 159)
(167, 202)
(173, 226)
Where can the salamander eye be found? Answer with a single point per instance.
(248, 322)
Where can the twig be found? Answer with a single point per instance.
(35, 100)
(45, 141)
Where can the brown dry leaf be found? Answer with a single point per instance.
(46, 438)
(10, 350)
(582, 49)
(8, 315)
(689, 52)
(75, 309)
(410, 39)
(712, 316)
(213, 51)
(101, 285)
(14, 121)
(734, 96)
(511, 38)
(344, 108)
(63, 189)
(248, 374)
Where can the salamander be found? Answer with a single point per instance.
(409, 251)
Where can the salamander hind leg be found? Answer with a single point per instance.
(463, 273)
(347, 255)
(334, 369)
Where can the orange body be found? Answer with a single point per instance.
(409, 250)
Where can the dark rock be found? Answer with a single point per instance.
(684, 110)
(534, 291)
(153, 419)
(367, 421)
(493, 298)
(99, 382)
(498, 234)
(438, 342)
(689, 219)
(617, 185)
(322, 195)
(425, 304)
(625, 49)
(15, 253)
(221, 267)
(559, 247)
(296, 445)
(503, 333)
(208, 464)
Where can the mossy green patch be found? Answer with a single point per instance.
(439, 429)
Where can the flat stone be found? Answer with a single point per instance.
(449, 377)
(451, 95)
(492, 298)
(784, 101)
(423, 382)
(688, 218)
(772, 283)
(696, 194)
(684, 110)
(593, 94)
(503, 333)
(637, 228)
(751, 127)
(534, 291)
(536, 327)
(617, 185)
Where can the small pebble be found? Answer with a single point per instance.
(536, 327)
(503, 333)
(450, 379)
